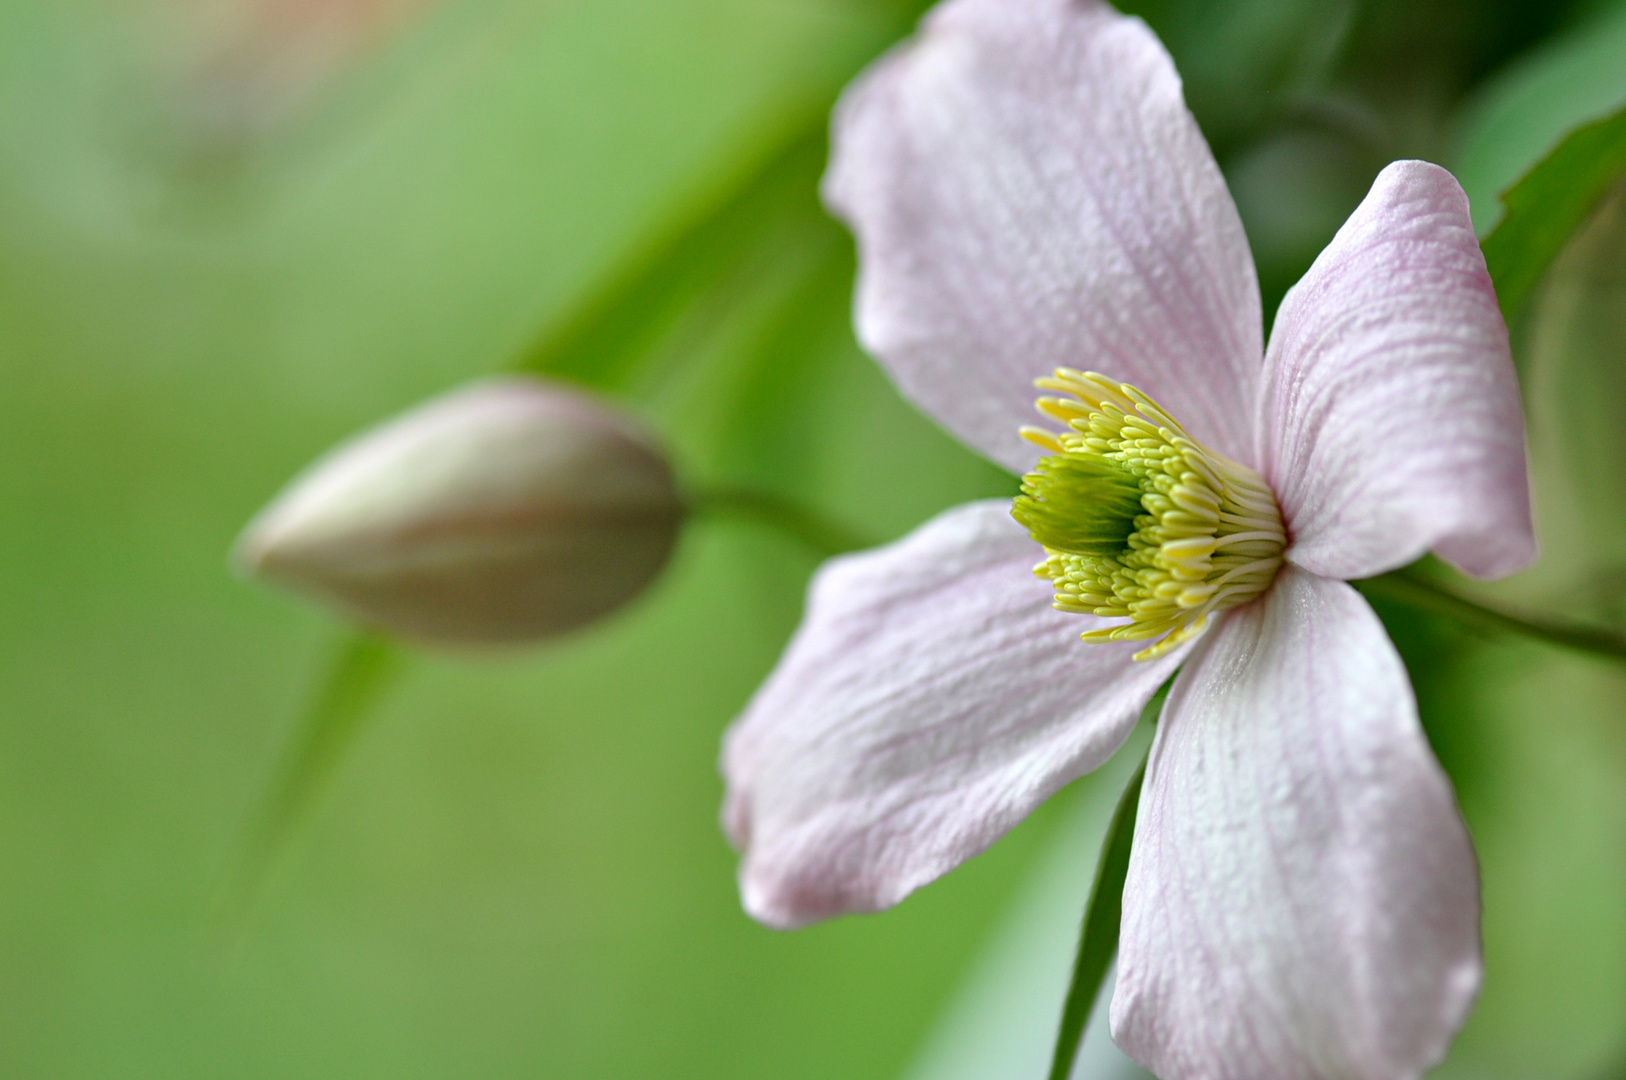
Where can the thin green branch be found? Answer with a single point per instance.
(1404, 587)
(362, 669)
(813, 529)
(1401, 586)
(1098, 940)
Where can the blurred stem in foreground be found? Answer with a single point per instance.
(362, 669)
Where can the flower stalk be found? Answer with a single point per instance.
(825, 537)
(1098, 938)
(1405, 587)
(1408, 588)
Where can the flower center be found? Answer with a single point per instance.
(1141, 521)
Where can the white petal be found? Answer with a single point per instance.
(931, 698)
(1302, 900)
(1391, 409)
(1029, 191)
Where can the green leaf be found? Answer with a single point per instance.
(1246, 63)
(1528, 107)
(690, 276)
(1547, 206)
(1569, 349)
(727, 373)
(362, 669)
(1098, 941)
(607, 337)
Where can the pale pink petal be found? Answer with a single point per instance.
(1391, 413)
(1302, 901)
(930, 700)
(1029, 191)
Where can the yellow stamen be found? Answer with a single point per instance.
(1207, 534)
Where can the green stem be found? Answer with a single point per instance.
(1401, 586)
(816, 531)
(1098, 940)
(361, 670)
(1407, 588)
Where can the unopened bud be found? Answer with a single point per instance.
(510, 511)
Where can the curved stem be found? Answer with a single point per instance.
(1402, 587)
(816, 531)
(1406, 588)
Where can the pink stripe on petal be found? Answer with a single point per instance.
(930, 700)
(1302, 901)
(1029, 192)
(1391, 412)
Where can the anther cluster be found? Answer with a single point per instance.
(1139, 520)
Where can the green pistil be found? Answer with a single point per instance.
(1080, 504)
(1138, 520)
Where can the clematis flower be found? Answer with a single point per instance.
(1032, 198)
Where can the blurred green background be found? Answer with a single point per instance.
(235, 231)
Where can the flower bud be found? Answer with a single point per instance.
(510, 511)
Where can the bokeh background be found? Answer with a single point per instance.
(234, 231)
